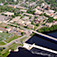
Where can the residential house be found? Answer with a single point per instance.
(55, 17)
(23, 10)
(15, 19)
(30, 26)
(13, 6)
(49, 12)
(48, 24)
(25, 18)
(38, 12)
(8, 29)
(8, 13)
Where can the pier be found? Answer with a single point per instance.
(29, 47)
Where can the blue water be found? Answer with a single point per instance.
(53, 34)
(23, 53)
(42, 42)
(34, 52)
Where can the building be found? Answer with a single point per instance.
(8, 29)
(49, 12)
(30, 26)
(15, 19)
(13, 6)
(2, 29)
(8, 13)
(48, 24)
(27, 14)
(55, 17)
(23, 10)
(38, 12)
(48, 7)
(19, 7)
(25, 18)
(4, 19)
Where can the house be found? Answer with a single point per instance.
(25, 32)
(20, 30)
(13, 6)
(30, 26)
(4, 19)
(43, 4)
(2, 29)
(8, 29)
(8, 13)
(55, 17)
(38, 12)
(48, 24)
(40, 19)
(27, 14)
(19, 7)
(49, 12)
(23, 10)
(18, 33)
(15, 19)
(25, 18)
(20, 22)
(27, 22)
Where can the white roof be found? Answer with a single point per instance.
(9, 13)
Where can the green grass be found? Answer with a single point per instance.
(23, 39)
(2, 43)
(4, 36)
(12, 38)
(13, 46)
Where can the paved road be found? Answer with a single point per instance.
(38, 33)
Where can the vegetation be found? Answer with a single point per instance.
(2, 43)
(4, 36)
(5, 52)
(12, 38)
(50, 19)
(32, 34)
(37, 24)
(30, 11)
(53, 3)
(23, 39)
(46, 29)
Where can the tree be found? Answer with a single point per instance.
(37, 24)
(22, 33)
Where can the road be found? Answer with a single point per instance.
(37, 33)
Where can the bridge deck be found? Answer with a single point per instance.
(45, 35)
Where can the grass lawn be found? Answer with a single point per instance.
(23, 39)
(5, 52)
(2, 43)
(14, 46)
(4, 36)
(12, 38)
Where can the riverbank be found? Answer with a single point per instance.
(48, 29)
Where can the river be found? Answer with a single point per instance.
(34, 52)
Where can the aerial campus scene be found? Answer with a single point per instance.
(28, 28)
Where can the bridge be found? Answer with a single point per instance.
(29, 47)
(41, 34)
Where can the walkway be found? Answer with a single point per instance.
(45, 35)
(13, 41)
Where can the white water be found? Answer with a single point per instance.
(44, 54)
